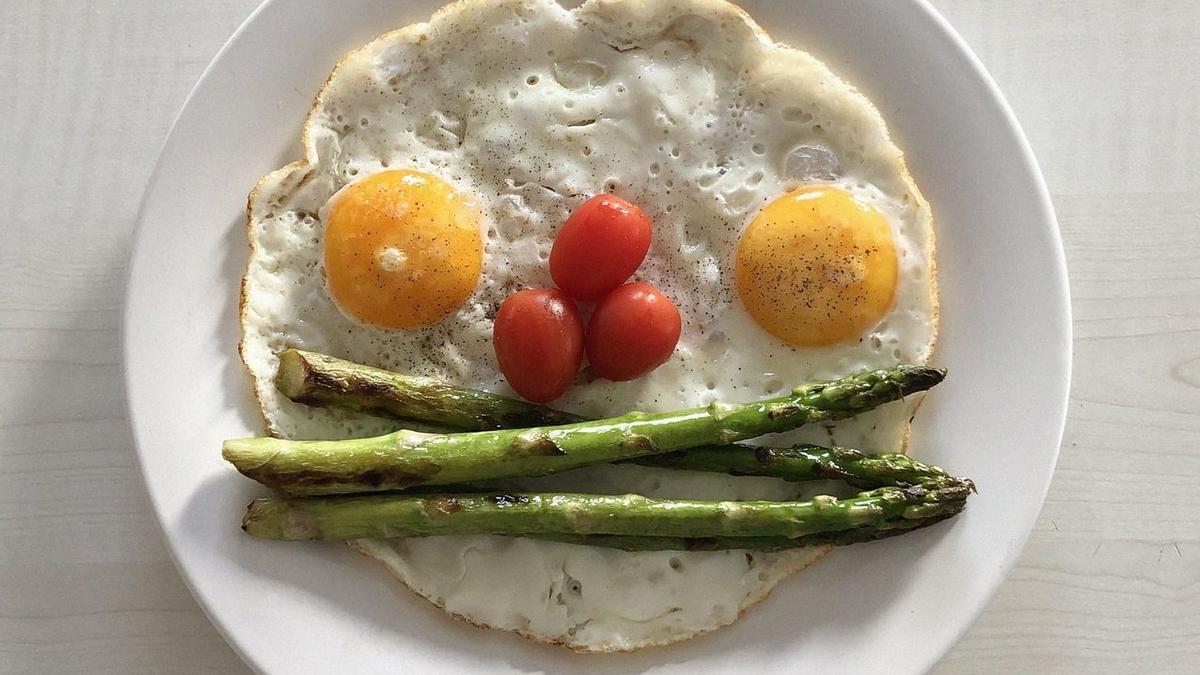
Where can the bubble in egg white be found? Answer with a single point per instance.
(811, 162)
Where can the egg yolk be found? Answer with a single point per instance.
(403, 249)
(817, 267)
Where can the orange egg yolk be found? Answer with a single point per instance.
(817, 267)
(403, 249)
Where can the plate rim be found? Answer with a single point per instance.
(1063, 289)
(944, 30)
(127, 356)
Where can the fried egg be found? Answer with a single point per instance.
(786, 229)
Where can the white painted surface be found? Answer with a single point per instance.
(1108, 92)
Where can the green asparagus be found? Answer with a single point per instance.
(801, 463)
(855, 535)
(406, 459)
(383, 516)
(318, 379)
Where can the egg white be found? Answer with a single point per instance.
(684, 107)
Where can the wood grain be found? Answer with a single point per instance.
(1110, 579)
(1108, 91)
(86, 585)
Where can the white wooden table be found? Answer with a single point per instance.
(1108, 91)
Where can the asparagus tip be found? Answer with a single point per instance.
(921, 378)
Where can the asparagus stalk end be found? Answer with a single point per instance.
(272, 519)
(244, 453)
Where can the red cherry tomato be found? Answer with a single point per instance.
(633, 331)
(538, 338)
(599, 247)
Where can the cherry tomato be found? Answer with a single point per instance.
(599, 247)
(538, 338)
(633, 331)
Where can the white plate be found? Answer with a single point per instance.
(895, 605)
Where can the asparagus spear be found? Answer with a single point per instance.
(407, 458)
(802, 462)
(381, 516)
(318, 379)
(855, 535)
